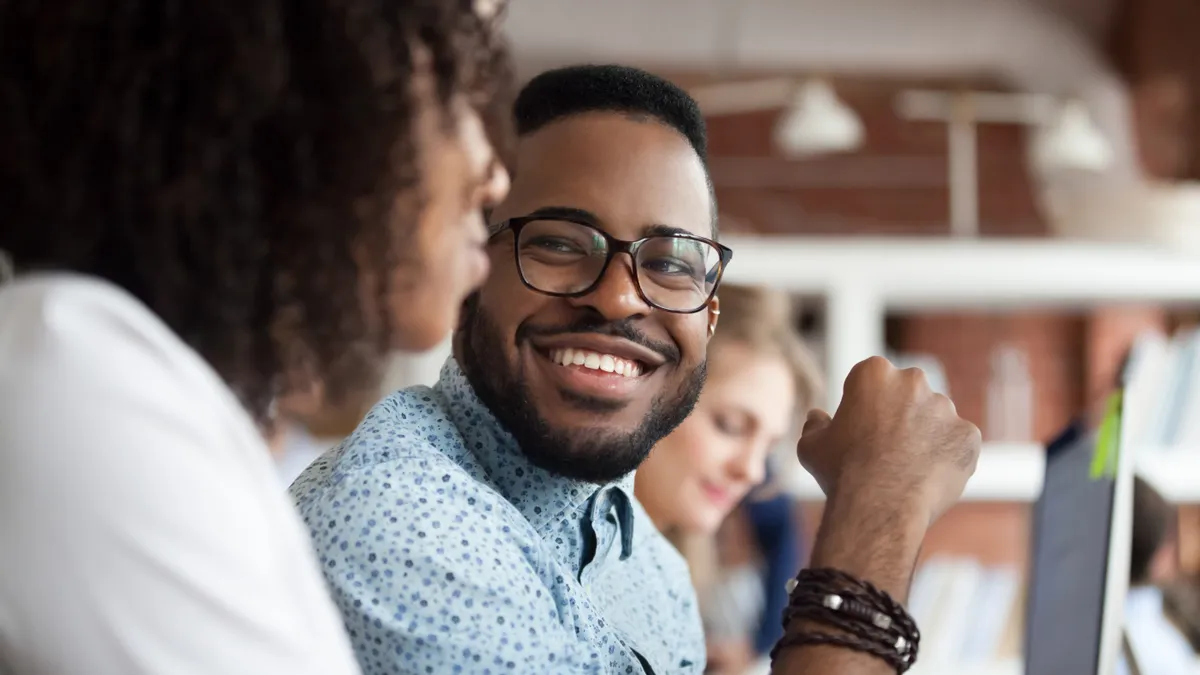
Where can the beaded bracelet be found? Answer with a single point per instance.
(863, 618)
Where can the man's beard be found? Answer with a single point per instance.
(595, 455)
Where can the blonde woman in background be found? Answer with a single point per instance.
(760, 375)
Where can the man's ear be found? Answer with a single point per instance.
(714, 313)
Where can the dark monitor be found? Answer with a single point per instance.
(1080, 568)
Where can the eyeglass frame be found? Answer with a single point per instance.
(615, 246)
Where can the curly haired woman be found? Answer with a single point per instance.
(210, 206)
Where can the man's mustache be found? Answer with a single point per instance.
(624, 329)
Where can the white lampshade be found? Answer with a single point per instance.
(1072, 142)
(818, 123)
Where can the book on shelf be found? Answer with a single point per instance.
(967, 613)
(1165, 374)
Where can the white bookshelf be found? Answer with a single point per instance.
(1174, 472)
(1013, 472)
(861, 279)
(1006, 472)
(917, 272)
(1013, 667)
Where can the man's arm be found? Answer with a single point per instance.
(871, 542)
(892, 459)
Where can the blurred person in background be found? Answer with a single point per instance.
(760, 375)
(1154, 557)
(210, 207)
(1159, 645)
(1181, 604)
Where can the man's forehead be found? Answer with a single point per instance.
(630, 173)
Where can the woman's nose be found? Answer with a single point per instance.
(749, 465)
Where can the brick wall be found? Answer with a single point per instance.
(1153, 44)
(993, 534)
(896, 185)
(963, 342)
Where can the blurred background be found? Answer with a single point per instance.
(1002, 192)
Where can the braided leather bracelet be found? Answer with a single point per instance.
(863, 618)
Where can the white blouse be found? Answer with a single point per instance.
(143, 529)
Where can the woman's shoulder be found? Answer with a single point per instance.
(55, 318)
(129, 459)
(71, 345)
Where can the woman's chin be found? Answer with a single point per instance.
(704, 519)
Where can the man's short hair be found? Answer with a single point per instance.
(575, 90)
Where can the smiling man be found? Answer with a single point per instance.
(488, 524)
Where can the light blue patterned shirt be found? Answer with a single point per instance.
(448, 552)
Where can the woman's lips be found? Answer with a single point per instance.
(720, 496)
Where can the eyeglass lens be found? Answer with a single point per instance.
(562, 257)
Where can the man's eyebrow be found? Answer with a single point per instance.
(658, 230)
(586, 217)
(567, 213)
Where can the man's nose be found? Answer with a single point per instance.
(616, 296)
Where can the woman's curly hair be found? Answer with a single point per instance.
(228, 162)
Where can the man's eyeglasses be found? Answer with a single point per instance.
(675, 272)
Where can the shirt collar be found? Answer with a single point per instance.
(542, 497)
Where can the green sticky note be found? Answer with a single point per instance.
(1104, 460)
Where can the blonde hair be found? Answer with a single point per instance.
(764, 320)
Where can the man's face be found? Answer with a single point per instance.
(630, 178)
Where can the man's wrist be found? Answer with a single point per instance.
(872, 538)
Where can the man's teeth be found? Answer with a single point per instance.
(596, 361)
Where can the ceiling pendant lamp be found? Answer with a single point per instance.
(1070, 141)
(817, 123)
